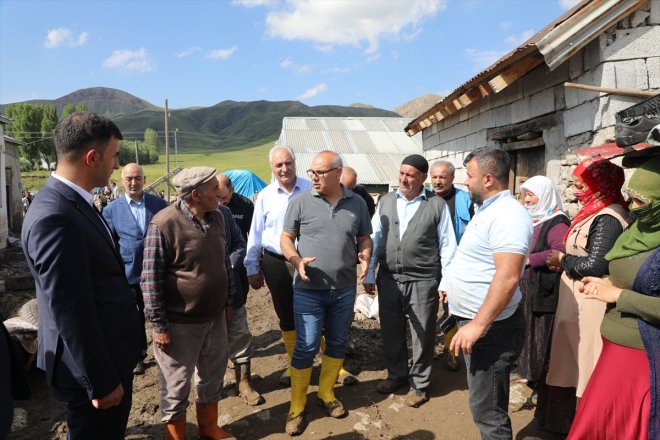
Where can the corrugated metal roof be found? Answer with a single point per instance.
(556, 42)
(374, 147)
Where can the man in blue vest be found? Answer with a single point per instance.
(127, 219)
(461, 209)
(413, 239)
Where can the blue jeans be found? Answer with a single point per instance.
(488, 370)
(318, 312)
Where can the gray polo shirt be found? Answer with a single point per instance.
(329, 234)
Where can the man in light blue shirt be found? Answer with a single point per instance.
(413, 238)
(481, 284)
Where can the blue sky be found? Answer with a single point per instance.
(199, 53)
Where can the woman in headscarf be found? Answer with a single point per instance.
(539, 285)
(576, 341)
(622, 398)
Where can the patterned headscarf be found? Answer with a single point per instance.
(549, 205)
(603, 181)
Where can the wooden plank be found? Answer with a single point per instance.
(613, 91)
(515, 130)
(513, 73)
(464, 100)
(521, 145)
(485, 90)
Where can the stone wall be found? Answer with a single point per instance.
(624, 56)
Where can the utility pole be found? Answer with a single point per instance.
(167, 150)
(137, 159)
(176, 150)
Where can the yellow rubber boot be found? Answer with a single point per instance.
(295, 420)
(289, 339)
(345, 376)
(326, 395)
(329, 372)
(451, 361)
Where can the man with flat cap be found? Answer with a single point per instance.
(413, 238)
(187, 284)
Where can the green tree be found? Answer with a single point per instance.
(33, 124)
(71, 108)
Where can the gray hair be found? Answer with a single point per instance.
(280, 147)
(493, 161)
(444, 163)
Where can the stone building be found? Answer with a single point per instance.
(11, 208)
(523, 104)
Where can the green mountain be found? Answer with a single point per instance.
(228, 124)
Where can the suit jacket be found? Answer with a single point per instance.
(88, 322)
(127, 232)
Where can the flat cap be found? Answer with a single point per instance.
(190, 178)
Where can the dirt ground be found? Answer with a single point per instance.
(371, 415)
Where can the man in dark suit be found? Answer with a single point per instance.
(89, 327)
(128, 218)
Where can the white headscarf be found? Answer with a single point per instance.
(550, 204)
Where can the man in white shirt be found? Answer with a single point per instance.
(481, 284)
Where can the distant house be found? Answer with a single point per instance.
(373, 146)
(521, 102)
(11, 208)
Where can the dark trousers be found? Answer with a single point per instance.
(278, 274)
(86, 422)
(139, 302)
(414, 303)
(488, 370)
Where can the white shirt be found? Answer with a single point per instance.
(501, 225)
(268, 220)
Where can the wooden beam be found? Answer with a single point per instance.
(521, 145)
(457, 104)
(464, 100)
(515, 130)
(613, 91)
(513, 73)
(485, 90)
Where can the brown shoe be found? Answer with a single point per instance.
(139, 368)
(416, 398)
(245, 389)
(333, 409)
(295, 425)
(388, 386)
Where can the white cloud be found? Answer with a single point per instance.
(483, 58)
(252, 3)
(395, 55)
(568, 4)
(313, 91)
(222, 54)
(130, 60)
(339, 22)
(373, 58)
(517, 40)
(188, 52)
(298, 69)
(63, 36)
(339, 70)
(505, 25)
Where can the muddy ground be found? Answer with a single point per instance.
(371, 415)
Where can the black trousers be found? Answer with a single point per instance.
(86, 422)
(139, 302)
(278, 274)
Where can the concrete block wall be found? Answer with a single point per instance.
(624, 56)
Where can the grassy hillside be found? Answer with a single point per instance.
(254, 158)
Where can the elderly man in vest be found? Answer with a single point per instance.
(187, 283)
(413, 238)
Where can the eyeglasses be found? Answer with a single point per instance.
(319, 174)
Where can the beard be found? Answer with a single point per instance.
(476, 198)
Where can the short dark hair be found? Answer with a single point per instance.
(493, 161)
(80, 131)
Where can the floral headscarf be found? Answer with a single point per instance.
(550, 204)
(603, 181)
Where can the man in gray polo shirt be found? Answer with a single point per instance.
(332, 227)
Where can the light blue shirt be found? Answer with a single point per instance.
(139, 211)
(500, 225)
(405, 210)
(268, 220)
